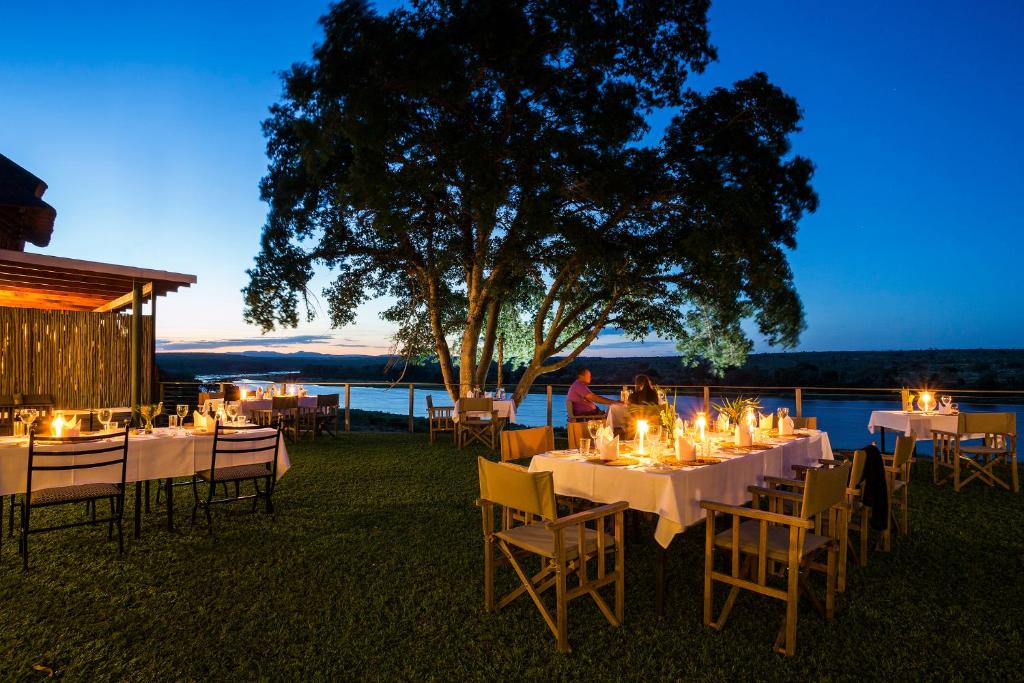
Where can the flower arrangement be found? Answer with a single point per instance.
(734, 409)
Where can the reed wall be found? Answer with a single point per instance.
(82, 359)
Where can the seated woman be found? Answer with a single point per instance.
(644, 393)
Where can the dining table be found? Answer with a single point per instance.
(914, 423)
(506, 410)
(166, 453)
(250, 406)
(673, 490)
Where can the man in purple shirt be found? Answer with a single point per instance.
(583, 399)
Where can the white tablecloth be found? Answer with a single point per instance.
(506, 409)
(251, 406)
(675, 495)
(157, 456)
(917, 425)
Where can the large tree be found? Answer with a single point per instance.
(486, 165)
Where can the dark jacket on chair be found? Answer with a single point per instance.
(876, 490)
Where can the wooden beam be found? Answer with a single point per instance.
(61, 264)
(123, 300)
(135, 366)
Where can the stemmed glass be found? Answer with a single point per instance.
(182, 410)
(232, 410)
(105, 415)
(594, 427)
(28, 416)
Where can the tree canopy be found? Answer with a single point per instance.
(486, 165)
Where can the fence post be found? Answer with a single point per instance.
(799, 402)
(707, 401)
(348, 419)
(412, 399)
(549, 405)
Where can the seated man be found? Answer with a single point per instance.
(583, 399)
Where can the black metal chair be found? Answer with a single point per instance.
(232, 440)
(69, 454)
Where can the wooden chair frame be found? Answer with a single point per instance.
(898, 466)
(440, 419)
(951, 457)
(471, 428)
(805, 422)
(557, 570)
(750, 571)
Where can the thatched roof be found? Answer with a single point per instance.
(24, 216)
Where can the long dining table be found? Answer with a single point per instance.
(674, 490)
(166, 454)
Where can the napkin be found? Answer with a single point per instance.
(766, 422)
(685, 450)
(786, 426)
(202, 424)
(604, 435)
(722, 423)
(742, 436)
(680, 427)
(610, 449)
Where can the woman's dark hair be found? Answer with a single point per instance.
(642, 382)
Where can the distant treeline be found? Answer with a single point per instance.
(947, 369)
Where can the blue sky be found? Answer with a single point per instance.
(144, 119)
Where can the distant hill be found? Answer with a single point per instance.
(949, 369)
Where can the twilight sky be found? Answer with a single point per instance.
(144, 119)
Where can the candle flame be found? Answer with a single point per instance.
(57, 426)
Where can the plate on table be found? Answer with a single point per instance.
(564, 453)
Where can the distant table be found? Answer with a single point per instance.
(250, 406)
(506, 410)
(910, 423)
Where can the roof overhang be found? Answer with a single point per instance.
(57, 283)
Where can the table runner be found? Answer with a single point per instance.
(675, 495)
(160, 455)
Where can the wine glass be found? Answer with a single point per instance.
(182, 410)
(232, 410)
(105, 415)
(593, 427)
(28, 416)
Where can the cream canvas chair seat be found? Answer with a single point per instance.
(805, 422)
(570, 547)
(959, 462)
(759, 537)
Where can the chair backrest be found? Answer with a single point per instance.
(522, 443)
(577, 431)
(255, 441)
(284, 403)
(70, 453)
(805, 422)
(857, 467)
(430, 403)
(232, 393)
(327, 400)
(987, 423)
(515, 487)
(903, 451)
(568, 410)
(473, 405)
(825, 487)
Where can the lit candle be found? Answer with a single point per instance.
(641, 429)
(242, 394)
(57, 426)
(926, 401)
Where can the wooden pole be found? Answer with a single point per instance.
(412, 402)
(154, 377)
(135, 366)
(707, 402)
(549, 405)
(799, 402)
(348, 417)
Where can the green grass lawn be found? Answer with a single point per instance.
(373, 570)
